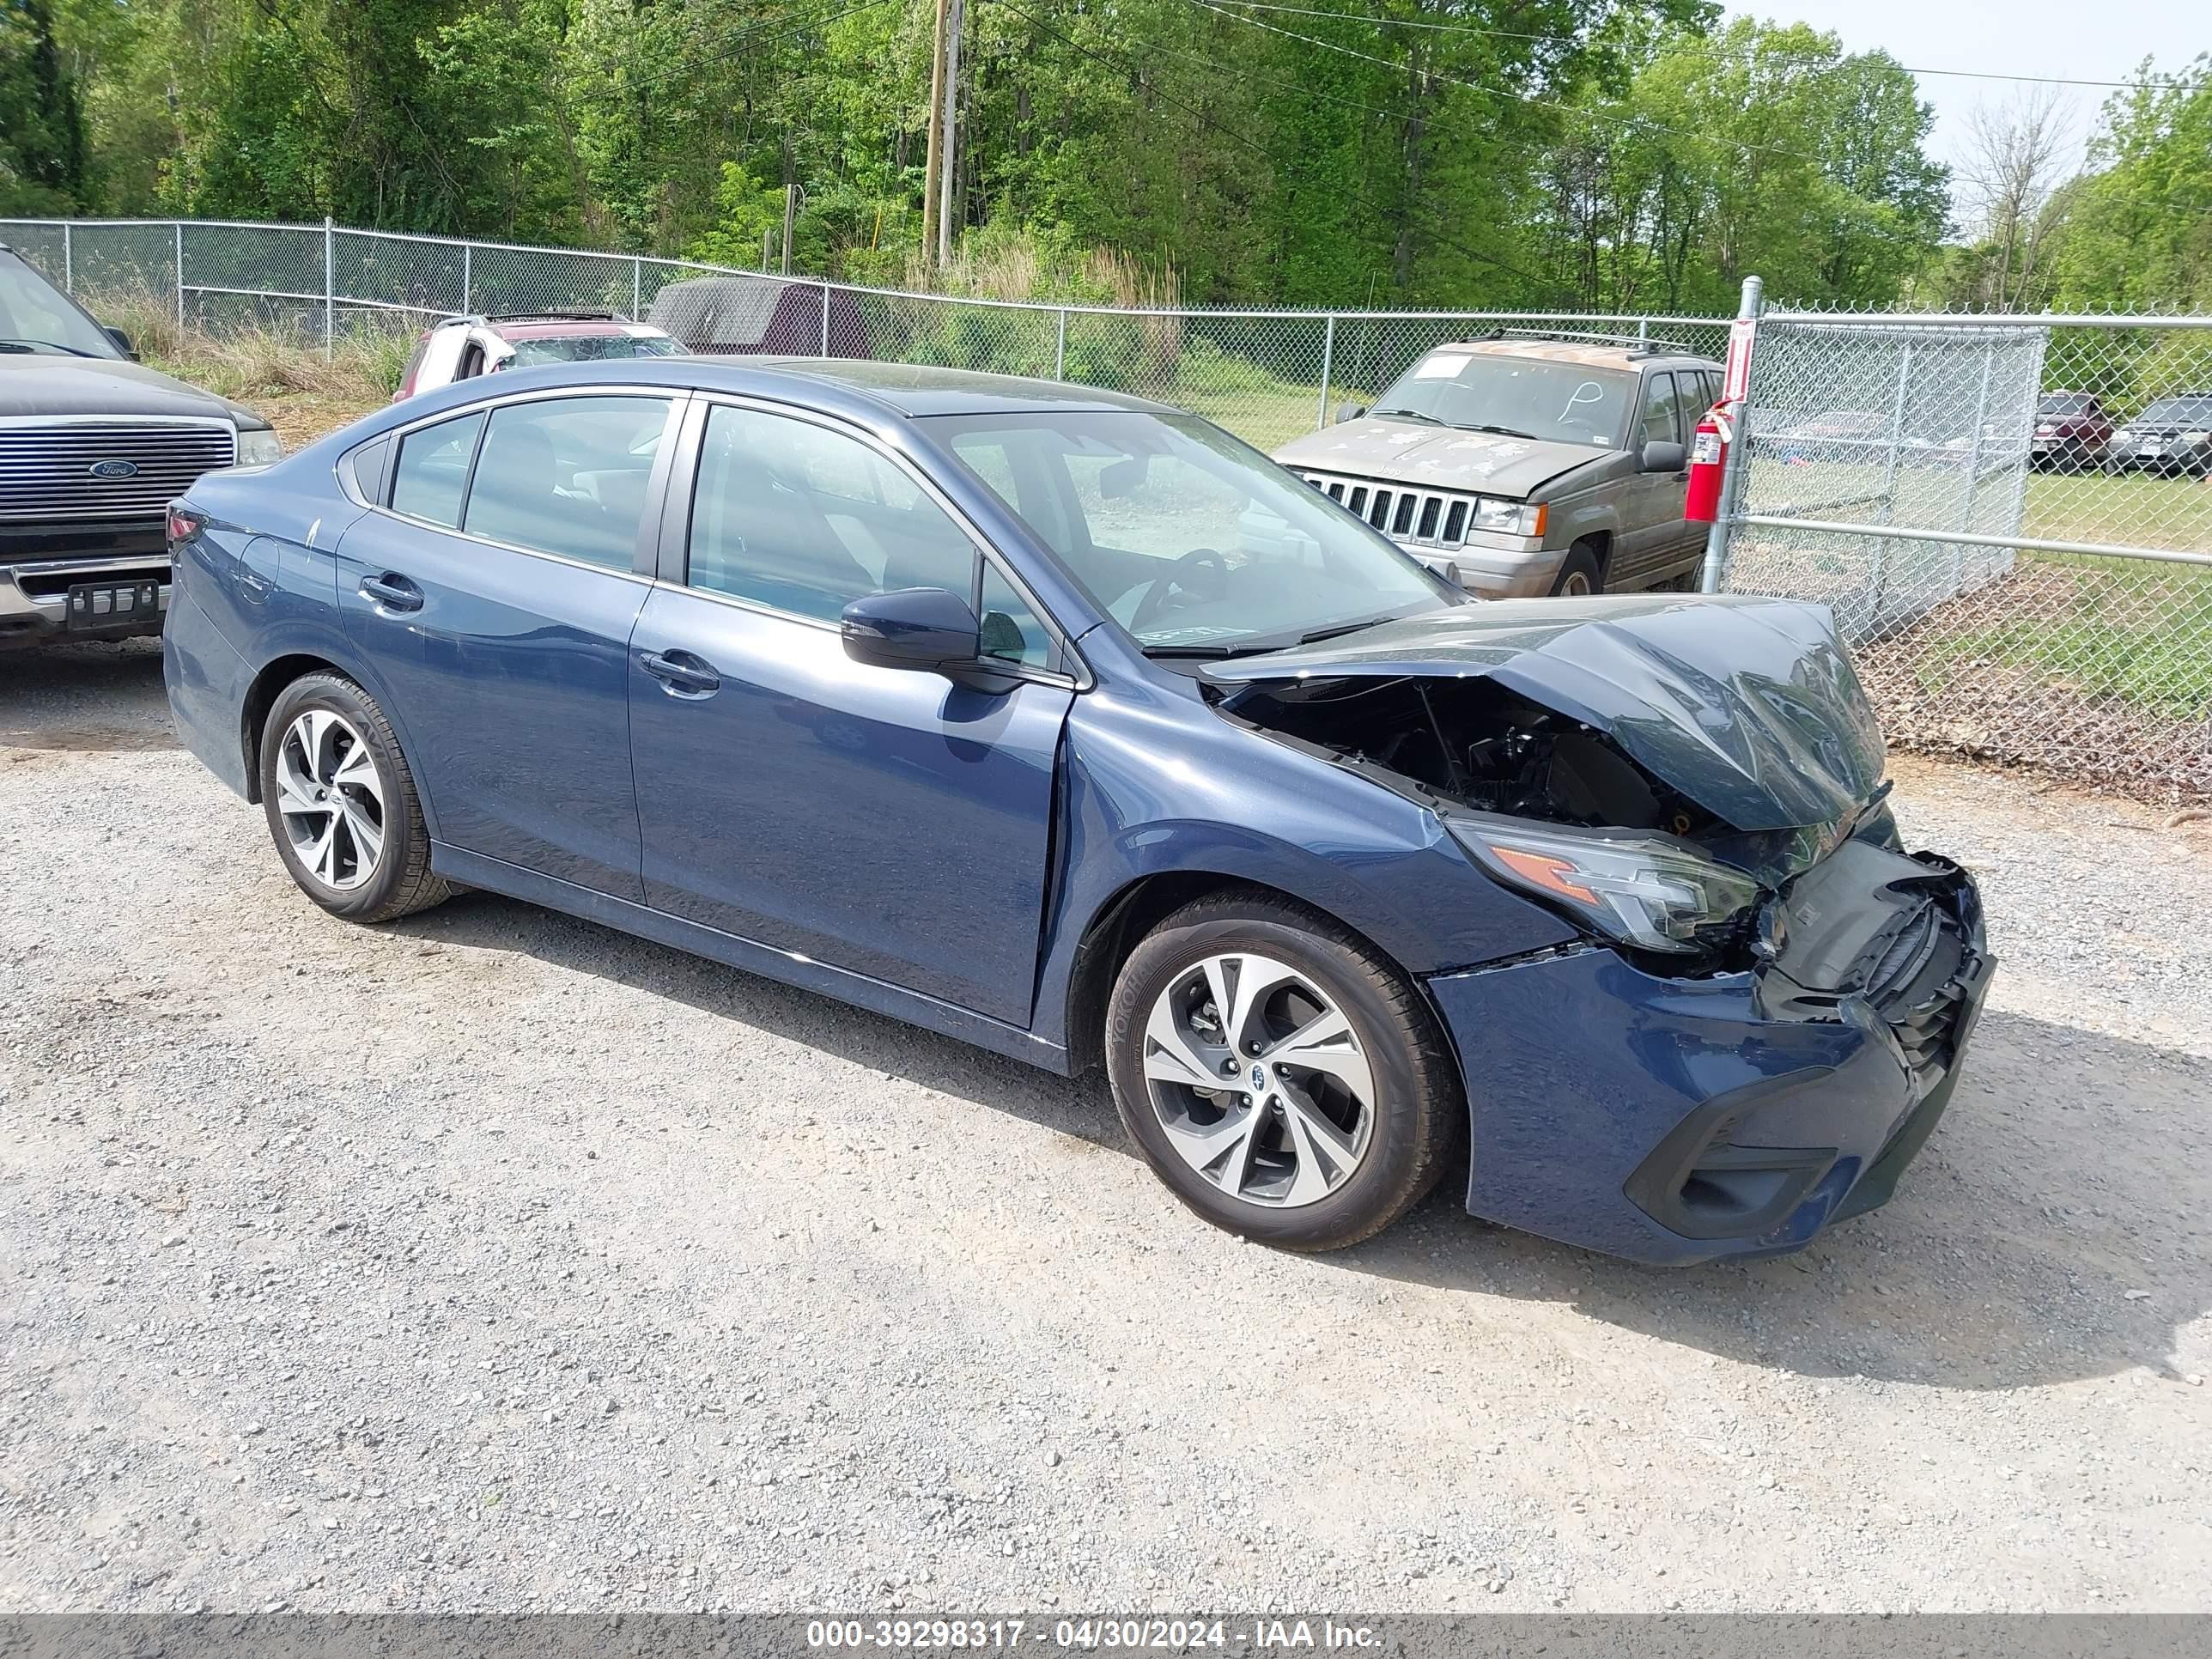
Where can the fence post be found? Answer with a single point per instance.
(180, 273)
(329, 288)
(468, 274)
(636, 288)
(69, 261)
(1060, 349)
(825, 319)
(1749, 312)
(1327, 362)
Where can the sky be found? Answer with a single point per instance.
(2091, 40)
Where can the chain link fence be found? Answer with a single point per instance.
(2011, 516)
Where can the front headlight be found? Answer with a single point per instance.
(1508, 518)
(1652, 891)
(258, 447)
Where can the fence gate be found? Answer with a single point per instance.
(2012, 516)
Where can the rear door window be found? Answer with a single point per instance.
(434, 470)
(1662, 424)
(568, 476)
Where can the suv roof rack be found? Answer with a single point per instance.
(558, 314)
(1638, 345)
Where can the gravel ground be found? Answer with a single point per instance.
(495, 1261)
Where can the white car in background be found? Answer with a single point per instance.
(462, 348)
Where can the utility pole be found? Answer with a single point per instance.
(790, 222)
(936, 162)
(949, 165)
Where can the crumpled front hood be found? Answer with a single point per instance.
(1748, 705)
(1442, 458)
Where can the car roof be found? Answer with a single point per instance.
(858, 388)
(922, 389)
(1588, 354)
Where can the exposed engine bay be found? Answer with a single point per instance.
(1468, 747)
(1471, 741)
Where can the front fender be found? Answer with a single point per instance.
(1155, 783)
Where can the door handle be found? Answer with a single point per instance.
(393, 591)
(680, 673)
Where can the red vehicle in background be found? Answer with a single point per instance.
(2072, 432)
(462, 348)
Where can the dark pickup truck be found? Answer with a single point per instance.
(94, 446)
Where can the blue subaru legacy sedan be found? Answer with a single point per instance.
(1069, 724)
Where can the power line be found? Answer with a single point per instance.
(1514, 35)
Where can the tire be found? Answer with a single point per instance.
(1579, 574)
(1279, 1179)
(356, 763)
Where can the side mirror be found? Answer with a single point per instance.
(1664, 457)
(1344, 412)
(123, 344)
(925, 627)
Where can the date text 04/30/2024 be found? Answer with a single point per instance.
(1089, 1635)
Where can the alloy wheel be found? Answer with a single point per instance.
(1577, 586)
(1259, 1080)
(331, 800)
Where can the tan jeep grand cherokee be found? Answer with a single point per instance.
(1528, 464)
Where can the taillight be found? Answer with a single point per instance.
(184, 525)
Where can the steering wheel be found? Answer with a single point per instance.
(1177, 577)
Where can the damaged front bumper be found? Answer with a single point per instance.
(1674, 1121)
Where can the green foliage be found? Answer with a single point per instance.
(2139, 229)
(42, 141)
(1612, 154)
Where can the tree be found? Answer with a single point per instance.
(2014, 169)
(42, 142)
(2139, 231)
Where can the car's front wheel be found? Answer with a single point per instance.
(1288, 1084)
(1579, 575)
(340, 803)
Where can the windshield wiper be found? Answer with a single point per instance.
(1503, 432)
(1203, 650)
(31, 346)
(1410, 415)
(1340, 630)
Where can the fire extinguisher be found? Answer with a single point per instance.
(1701, 502)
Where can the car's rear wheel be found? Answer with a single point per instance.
(340, 803)
(1285, 1082)
(1579, 574)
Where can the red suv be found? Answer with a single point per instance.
(461, 348)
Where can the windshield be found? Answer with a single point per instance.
(35, 317)
(1529, 396)
(1193, 542)
(2174, 410)
(591, 348)
(2064, 403)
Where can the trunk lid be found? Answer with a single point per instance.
(1748, 706)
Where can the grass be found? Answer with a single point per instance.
(2160, 663)
(2133, 509)
(290, 384)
